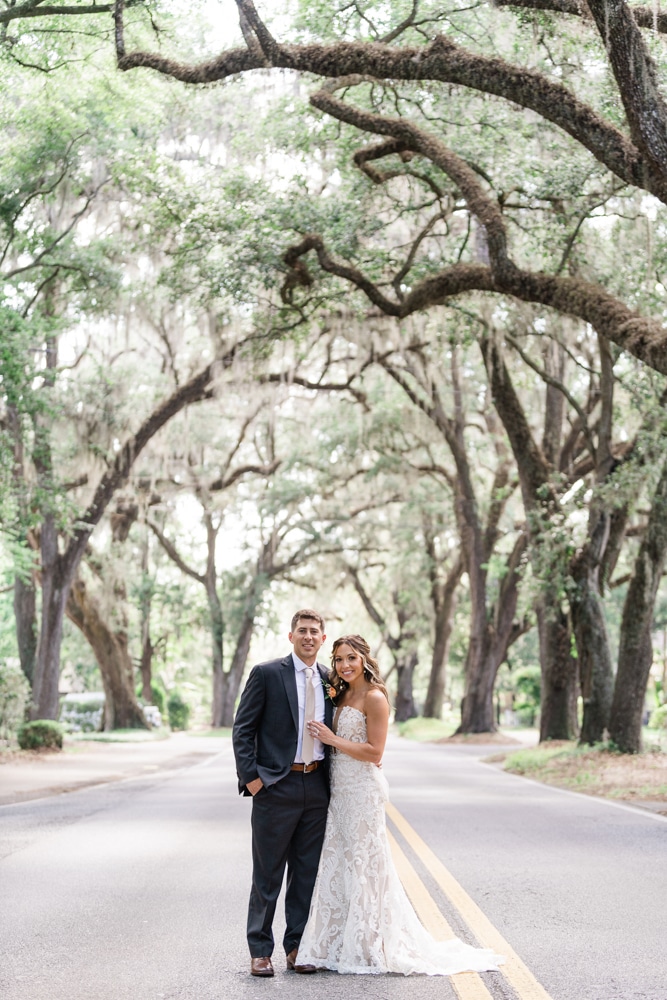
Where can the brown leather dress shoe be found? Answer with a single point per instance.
(261, 966)
(291, 959)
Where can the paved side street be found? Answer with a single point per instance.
(82, 764)
(137, 887)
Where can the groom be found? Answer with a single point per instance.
(285, 770)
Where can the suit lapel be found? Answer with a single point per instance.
(289, 680)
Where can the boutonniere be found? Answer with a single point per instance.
(329, 691)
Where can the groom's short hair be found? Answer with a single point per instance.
(308, 613)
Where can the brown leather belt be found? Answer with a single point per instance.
(306, 768)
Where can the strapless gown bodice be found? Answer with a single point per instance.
(348, 773)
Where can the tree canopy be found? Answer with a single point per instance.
(408, 258)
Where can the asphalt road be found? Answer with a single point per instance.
(138, 889)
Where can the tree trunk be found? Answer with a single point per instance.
(558, 717)
(588, 618)
(590, 629)
(635, 649)
(265, 570)
(146, 662)
(25, 614)
(232, 679)
(121, 709)
(489, 642)
(485, 653)
(217, 645)
(558, 710)
(147, 648)
(477, 713)
(444, 624)
(477, 708)
(443, 596)
(45, 696)
(595, 666)
(55, 587)
(25, 590)
(488, 645)
(554, 403)
(404, 708)
(54, 570)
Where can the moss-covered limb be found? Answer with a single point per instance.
(438, 60)
(59, 568)
(645, 16)
(35, 8)
(636, 78)
(642, 336)
(411, 137)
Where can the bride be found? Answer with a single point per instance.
(361, 920)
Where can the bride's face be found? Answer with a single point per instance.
(348, 663)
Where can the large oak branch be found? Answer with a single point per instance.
(199, 387)
(645, 16)
(636, 77)
(410, 137)
(641, 336)
(440, 60)
(36, 8)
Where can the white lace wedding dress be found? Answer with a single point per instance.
(361, 920)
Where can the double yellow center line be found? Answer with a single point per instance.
(468, 985)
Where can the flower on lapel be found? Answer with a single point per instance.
(329, 691)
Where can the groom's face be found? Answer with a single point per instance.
(307, 639)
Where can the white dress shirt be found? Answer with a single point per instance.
(316, 681)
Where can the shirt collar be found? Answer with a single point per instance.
(299, 664)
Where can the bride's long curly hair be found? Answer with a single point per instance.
(371, 668)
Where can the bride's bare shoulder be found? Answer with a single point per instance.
(375, 702)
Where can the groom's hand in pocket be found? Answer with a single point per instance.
(255, 786)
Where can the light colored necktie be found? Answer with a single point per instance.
(307, 742)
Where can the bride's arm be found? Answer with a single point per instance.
(377, 724)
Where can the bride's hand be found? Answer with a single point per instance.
(321, 732)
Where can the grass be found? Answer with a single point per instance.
(222, 732)
(657, 793)
(533, 759)
(425, 730)
(146, 735)
(75, 743)
(597, 770)
(122, 736)
(654, 739)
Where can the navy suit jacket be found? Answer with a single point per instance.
(265, 733)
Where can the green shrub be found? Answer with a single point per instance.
(525, 714)
(14, 694)
(158, 696)
(527, 681)
(527, 684)
(658, 718)
(178, 711)
(42, 734)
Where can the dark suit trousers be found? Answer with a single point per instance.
(288, 824)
